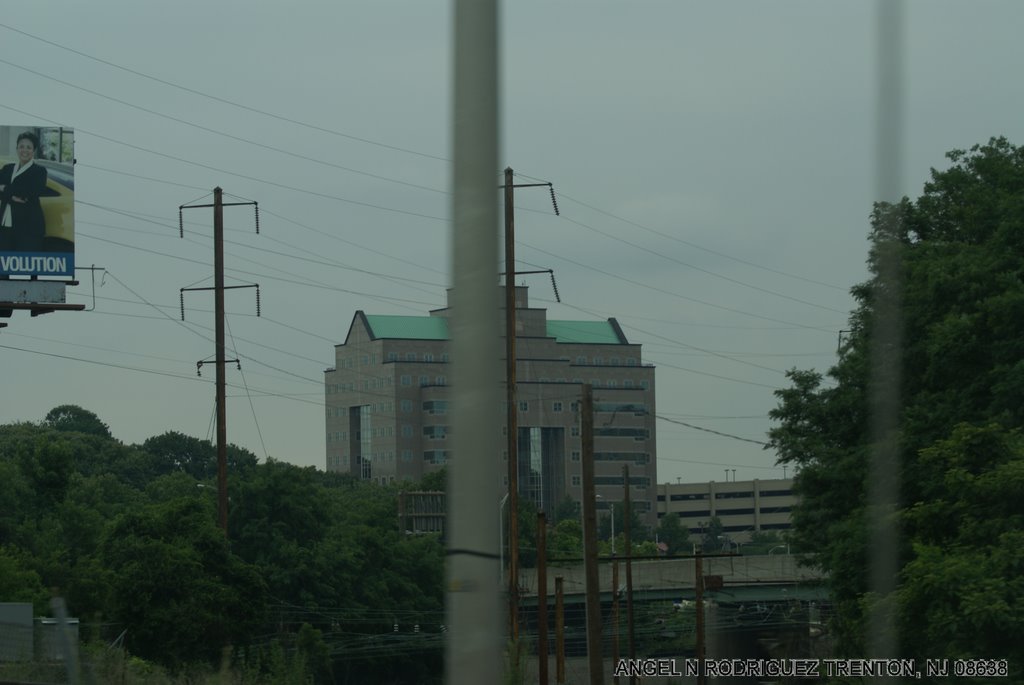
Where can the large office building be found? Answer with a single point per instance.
(388, 398)
(743, 507)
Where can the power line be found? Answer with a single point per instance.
(708, 430)
(695, 245)
(226, 101)
(208, 167)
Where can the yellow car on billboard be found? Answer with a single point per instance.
(58, 203)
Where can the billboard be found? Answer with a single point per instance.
(37, 201)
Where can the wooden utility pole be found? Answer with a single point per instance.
(627, 516)
(218, 307)
(615, 612)
(542, 599)
(219, 342)
(593, 589)
(512, 416)
(698, 595)
(559, 631)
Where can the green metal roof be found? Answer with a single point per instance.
(436, 328)
(408, 327)
(584, 332)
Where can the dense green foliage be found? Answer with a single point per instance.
(958, 253)
(314, 582)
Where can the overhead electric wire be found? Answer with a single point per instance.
(698, 268)
(241, 372)
(671, 293)
(692, 244)
(225, 100)
(230, 136)
(208, 167)
(708, 430)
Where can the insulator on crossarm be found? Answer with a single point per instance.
(554, 286)
(238, 365)
(257, 300)
(181, 224)
(181, 299)
(257, 206)
(199, 365)
(554, 202)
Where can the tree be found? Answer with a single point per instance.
(673, 533)
(957, 253)
(71, 417)
(182, 594)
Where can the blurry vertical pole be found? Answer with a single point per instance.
(589, 497)
(511, 413)
(222, 414)
(67, 641)
(627, 515)
(474, 643)
(542, 598)
(559, 630)
(886, 344)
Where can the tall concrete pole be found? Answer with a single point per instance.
(475, 640)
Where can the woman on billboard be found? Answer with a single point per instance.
(22, 227)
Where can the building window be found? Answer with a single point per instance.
(406, 455)
(405, 405)
(440, 380)
(556, 406)
(627, 383)
(435, 456)
(428, 357)
(406, 380)
(424, 381)
(435, 432)
(644, 384)
(392, 356)
(576, 480)
(581, 360)
(406, 430)
(598, 361)
(444, 357)
(524, 405)
(435, 407)
(410, 356)
(575, 455)
(575, 431)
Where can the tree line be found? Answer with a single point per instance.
(950, 266)
(314, 571)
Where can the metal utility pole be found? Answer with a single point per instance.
(512, 416)
(593, 589)
(220, 361)
(627, 515)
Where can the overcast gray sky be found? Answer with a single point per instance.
(713, 162)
